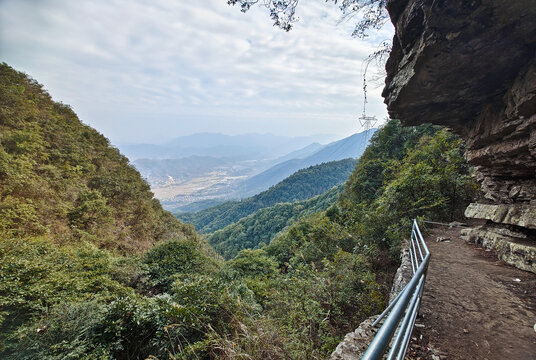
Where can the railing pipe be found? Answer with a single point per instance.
(417, 243)
(407, 336)
(414, 239)
(413, 268)
(407, 318)
(420, 236)
(404, 308)
(414, 253)
(382, 339)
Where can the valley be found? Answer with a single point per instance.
(205, 176)
(303, 185)
(211, 186)
(182, 181)
(93, 267)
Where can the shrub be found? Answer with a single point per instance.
(168, 260)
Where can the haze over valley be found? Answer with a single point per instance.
(201, 170)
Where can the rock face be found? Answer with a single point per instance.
(511, 247)
(403, 274)
(356, 343)
(471, 66)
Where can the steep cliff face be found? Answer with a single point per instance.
(471, 66)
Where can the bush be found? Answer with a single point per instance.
(170, 259)
(66, 331)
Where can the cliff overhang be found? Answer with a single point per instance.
(471, 66)
(452, 58)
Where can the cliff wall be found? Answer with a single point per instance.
(471, 66)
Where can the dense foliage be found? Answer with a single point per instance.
(92, 268)
(303, 184)
(73, 217)
(260, 227)
(60, 177)
(406, 173)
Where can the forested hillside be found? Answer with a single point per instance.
(92, 268)
(261, 226)
(62, 180)
(75, 223)
(199, 205)
(302, 185)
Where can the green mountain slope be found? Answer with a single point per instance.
(83, 243)
(61, 178)
(198, 205)
(261, 226)
(302, 185)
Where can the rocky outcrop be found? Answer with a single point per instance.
(471, 66)
(356, 343)
(403, 274)
(510, 246)
(523, 215)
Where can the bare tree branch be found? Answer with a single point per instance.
(372, 13)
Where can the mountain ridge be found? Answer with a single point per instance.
(303, 184)
(350, 147)
(249, 146)
(264, 224)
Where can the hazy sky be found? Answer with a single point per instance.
(151, 70)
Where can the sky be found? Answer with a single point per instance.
(147, 71)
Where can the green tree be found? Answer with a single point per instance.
(90, 210)
(166, 261)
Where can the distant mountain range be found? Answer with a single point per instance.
(300, 153)
(245, 147)
(350, 147)
(252, 167)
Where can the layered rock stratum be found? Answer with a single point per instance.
(471, 66)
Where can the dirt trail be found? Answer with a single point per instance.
(474, 306)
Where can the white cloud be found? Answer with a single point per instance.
(143, 71)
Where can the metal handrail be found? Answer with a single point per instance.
(404, 308)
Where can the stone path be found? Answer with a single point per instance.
(474, 306)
